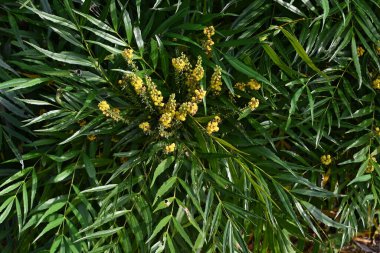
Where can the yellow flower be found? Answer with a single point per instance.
(378, 49)
(240, 86)
(128, 55)
(154, 93)
(377, 131)
(207, 44)
(182, 112)
(166, 119)
(209, 31)
(91, 137)
(212, 126)
(199, 94)
(253, 104)
(136, 82)
(198, 71)
(326, 159)
(104, 106)
(170, 106)
(370, 166)
(192, 108)
(253, 85)
(169, 148)
(145, 126)
(360, 51)
(216, 80)
(181, 63)
(376, 84)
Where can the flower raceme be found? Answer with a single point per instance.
(113, 113)
(216, 80)
(213, 125)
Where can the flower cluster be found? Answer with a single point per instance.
(251, 84)
(253, 104)
(326, 159)
(360, 51)
(128, 55)
(376, 84)
(371, 166)
(169, 148)
(195, 75)
(154, 93)
(145, 126)
(199, 94)
(166, 119)
(254, 85)
(136, 82)
(113, 113)
(185, 109)
(207, 44)
(216, 80)
(240, 86)
(181, 63)
(213, 125)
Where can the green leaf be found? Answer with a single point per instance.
(89, 166)
(301, 51)
(66, 57)
(100, 234)
(53, 224)
(163, 222)
(164, 188)
(355, 57)
(161, 168)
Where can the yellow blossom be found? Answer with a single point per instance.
(154, 93)
(166, 119)
(209, 31)
(240, 86)
(199, 94)
(170, 106)
(253, 104)
(91, 137)
(212, 126)
(123, 159)
(42, 111)
(371, 166)
(182, 112)
(181, 63)
(198, 71)
(128, 55)
(136, 82)
(253, 85)
(104, 106)
(169, 148)
(207, 44)
(326, 159)
(376, 84)
(360, 51)
(192, 108)
(145, 126)
(377, 131)
(216, 80)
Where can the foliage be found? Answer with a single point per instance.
(99, 156)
